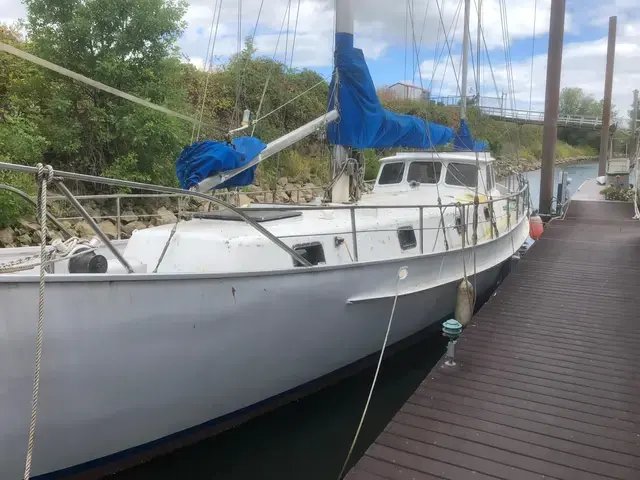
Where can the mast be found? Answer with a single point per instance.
(344, 25)
(465, 60)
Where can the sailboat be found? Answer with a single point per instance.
(187, 329)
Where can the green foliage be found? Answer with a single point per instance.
(614, 193)
(575, 101)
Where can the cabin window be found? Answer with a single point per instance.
(462, 174)
(407, 238)
(424, 172)
(490, 179)
(311, 252)
(391, 173)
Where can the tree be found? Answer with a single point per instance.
(128, 44)
(574, 101)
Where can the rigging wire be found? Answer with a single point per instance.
(235, 114)
(321, 82)
(206, 56)
(406, 37)
(533, 49)
(269, 75)
(286, 42)
(447, 35)
(247, 60)
(424, 22)
(209, 61)
(295, 33)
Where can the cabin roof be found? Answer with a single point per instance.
(459, 157)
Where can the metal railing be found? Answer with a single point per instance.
(526, 116)
(182, 206)
(462, 226)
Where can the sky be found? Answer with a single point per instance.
(403, 41)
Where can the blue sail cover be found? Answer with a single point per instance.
(204, 159)
(464, 142)
(363, 122)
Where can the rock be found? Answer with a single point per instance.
(281, 197)
(6, 237)
(84, 230)
(290, 187)
(129, 228)
(128, 216)
(29, 226)
(243, 200)
(254, 188)
(24, 240)
(109, 229)
(165, 216)
(282, 181)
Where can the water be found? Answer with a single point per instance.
(310, 438)
(306, 439)
(578, 173)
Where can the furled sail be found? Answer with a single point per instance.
(363, 122)
(205, 159)
(464, 142)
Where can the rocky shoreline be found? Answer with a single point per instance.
(505, 167)
(144, 213)
(147, 212)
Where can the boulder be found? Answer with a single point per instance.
(128, 216)
(129, 228)
(290, 187)
(6, 237)
(28, 226)
(257, 197)
(282, 181)
(243, 200)
(84, 230)
(24, 240)
(109, 229)
(164, 217)
(281, 197)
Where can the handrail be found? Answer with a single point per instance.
(146, 186)
(242, 212)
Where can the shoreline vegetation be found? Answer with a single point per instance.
(51, 119)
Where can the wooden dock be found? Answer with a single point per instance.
(547, 382)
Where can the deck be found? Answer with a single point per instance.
(548, 377)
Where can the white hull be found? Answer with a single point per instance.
(131, 359)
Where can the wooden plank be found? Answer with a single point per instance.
(547, 383)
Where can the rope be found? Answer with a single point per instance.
(57, 252)
(44, 177)
(95, 84)
(401, 275)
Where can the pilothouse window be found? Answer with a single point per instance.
(424, 172)
(391, 173)
(462, 174)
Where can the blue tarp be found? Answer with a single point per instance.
(204, 159)
(363, 122)
(464, 142)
